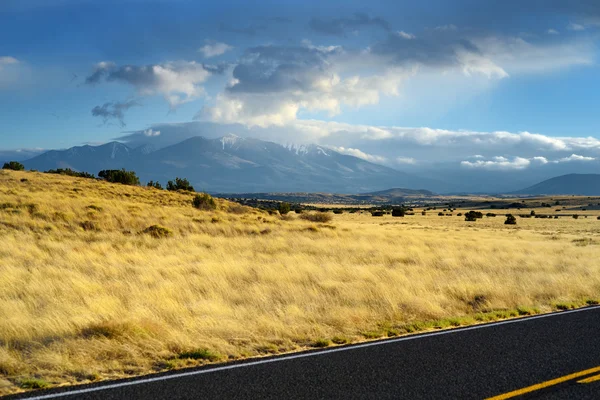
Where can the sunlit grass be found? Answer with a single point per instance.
(102, 281)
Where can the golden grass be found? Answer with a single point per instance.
(87, 292)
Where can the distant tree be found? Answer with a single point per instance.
(510, 220)
(284, 208)
(377, 213)
(119, 176)
(398, 212)
(13, 165)
(180, 184)
(155, 185)
(532, 213)
(473, 215)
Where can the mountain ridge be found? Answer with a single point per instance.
(569, 184)
(232, 164)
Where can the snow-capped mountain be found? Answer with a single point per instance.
(233, 164)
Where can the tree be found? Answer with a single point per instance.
(473, 215)
(155, 185)
(13, 165)
(284, 208)
(510, 220)
(398, 212)
(119, 176)
(180, 184)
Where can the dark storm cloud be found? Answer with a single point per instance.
(114, 111)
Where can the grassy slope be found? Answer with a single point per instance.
(86, 295)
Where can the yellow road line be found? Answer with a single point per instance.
(591, 379)
(543, 385)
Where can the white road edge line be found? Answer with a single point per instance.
(310, 354)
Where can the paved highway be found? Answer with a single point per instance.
(553, 356)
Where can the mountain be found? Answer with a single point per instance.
(233, 164)
(575, 184)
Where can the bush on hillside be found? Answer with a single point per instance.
(119, 176)
(284, 208)
(510, 220)
(155, 185)
(317, 217)
(180, 184)
(13, 165)
(70, 172)
(204, 201)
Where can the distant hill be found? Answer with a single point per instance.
(232, 164)
(575, 184)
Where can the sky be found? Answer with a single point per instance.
(486, 85)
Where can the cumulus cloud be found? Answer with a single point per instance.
(575, 27)
(178, 82)
(405, 35)
(342, 26)
(271, 84)
(552, 32)
(114, 111)
(213, 49)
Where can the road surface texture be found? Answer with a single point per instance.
(553, 356)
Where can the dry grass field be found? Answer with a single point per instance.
(87, 292)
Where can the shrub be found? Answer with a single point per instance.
(155, 185)
(575, 216)
(13, 165)
(33, 383)
(204, 201)
(596, 218)
(284, 208)
(510, 220)
(423, 212)
(473, 215)
(70, 172)
(490, 215)
(377, 213)
(317, 217)
(119, 176)
(338, 211)
(180, 184)
(88, 226)
(441, 214)
(459, 214)
(398, 212)
(158, 232)
(532, 213)
(200, 354)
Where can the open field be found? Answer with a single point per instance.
(88, 293)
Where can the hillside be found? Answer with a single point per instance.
(102, 281)
(573, 184)
(231, 164)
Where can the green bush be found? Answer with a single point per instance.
(204, 201)
(284, 208)
(119, 176)
(180, 184)
(13, 165)
(473, 215)
(70, 172)
(398, 212)
(155, 185)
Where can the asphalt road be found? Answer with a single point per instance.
(560, 353)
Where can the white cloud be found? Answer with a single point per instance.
(552, 32)
(6, 60)
(405, 35)
(178, 82)
(360, 154)
(575, 27)
(541, 160)
(575, 157)
(213, 49)
(449, 27)
(151, 133)
(498, 163)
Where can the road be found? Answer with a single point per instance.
(552, 356)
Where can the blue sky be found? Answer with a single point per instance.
(353, 75)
